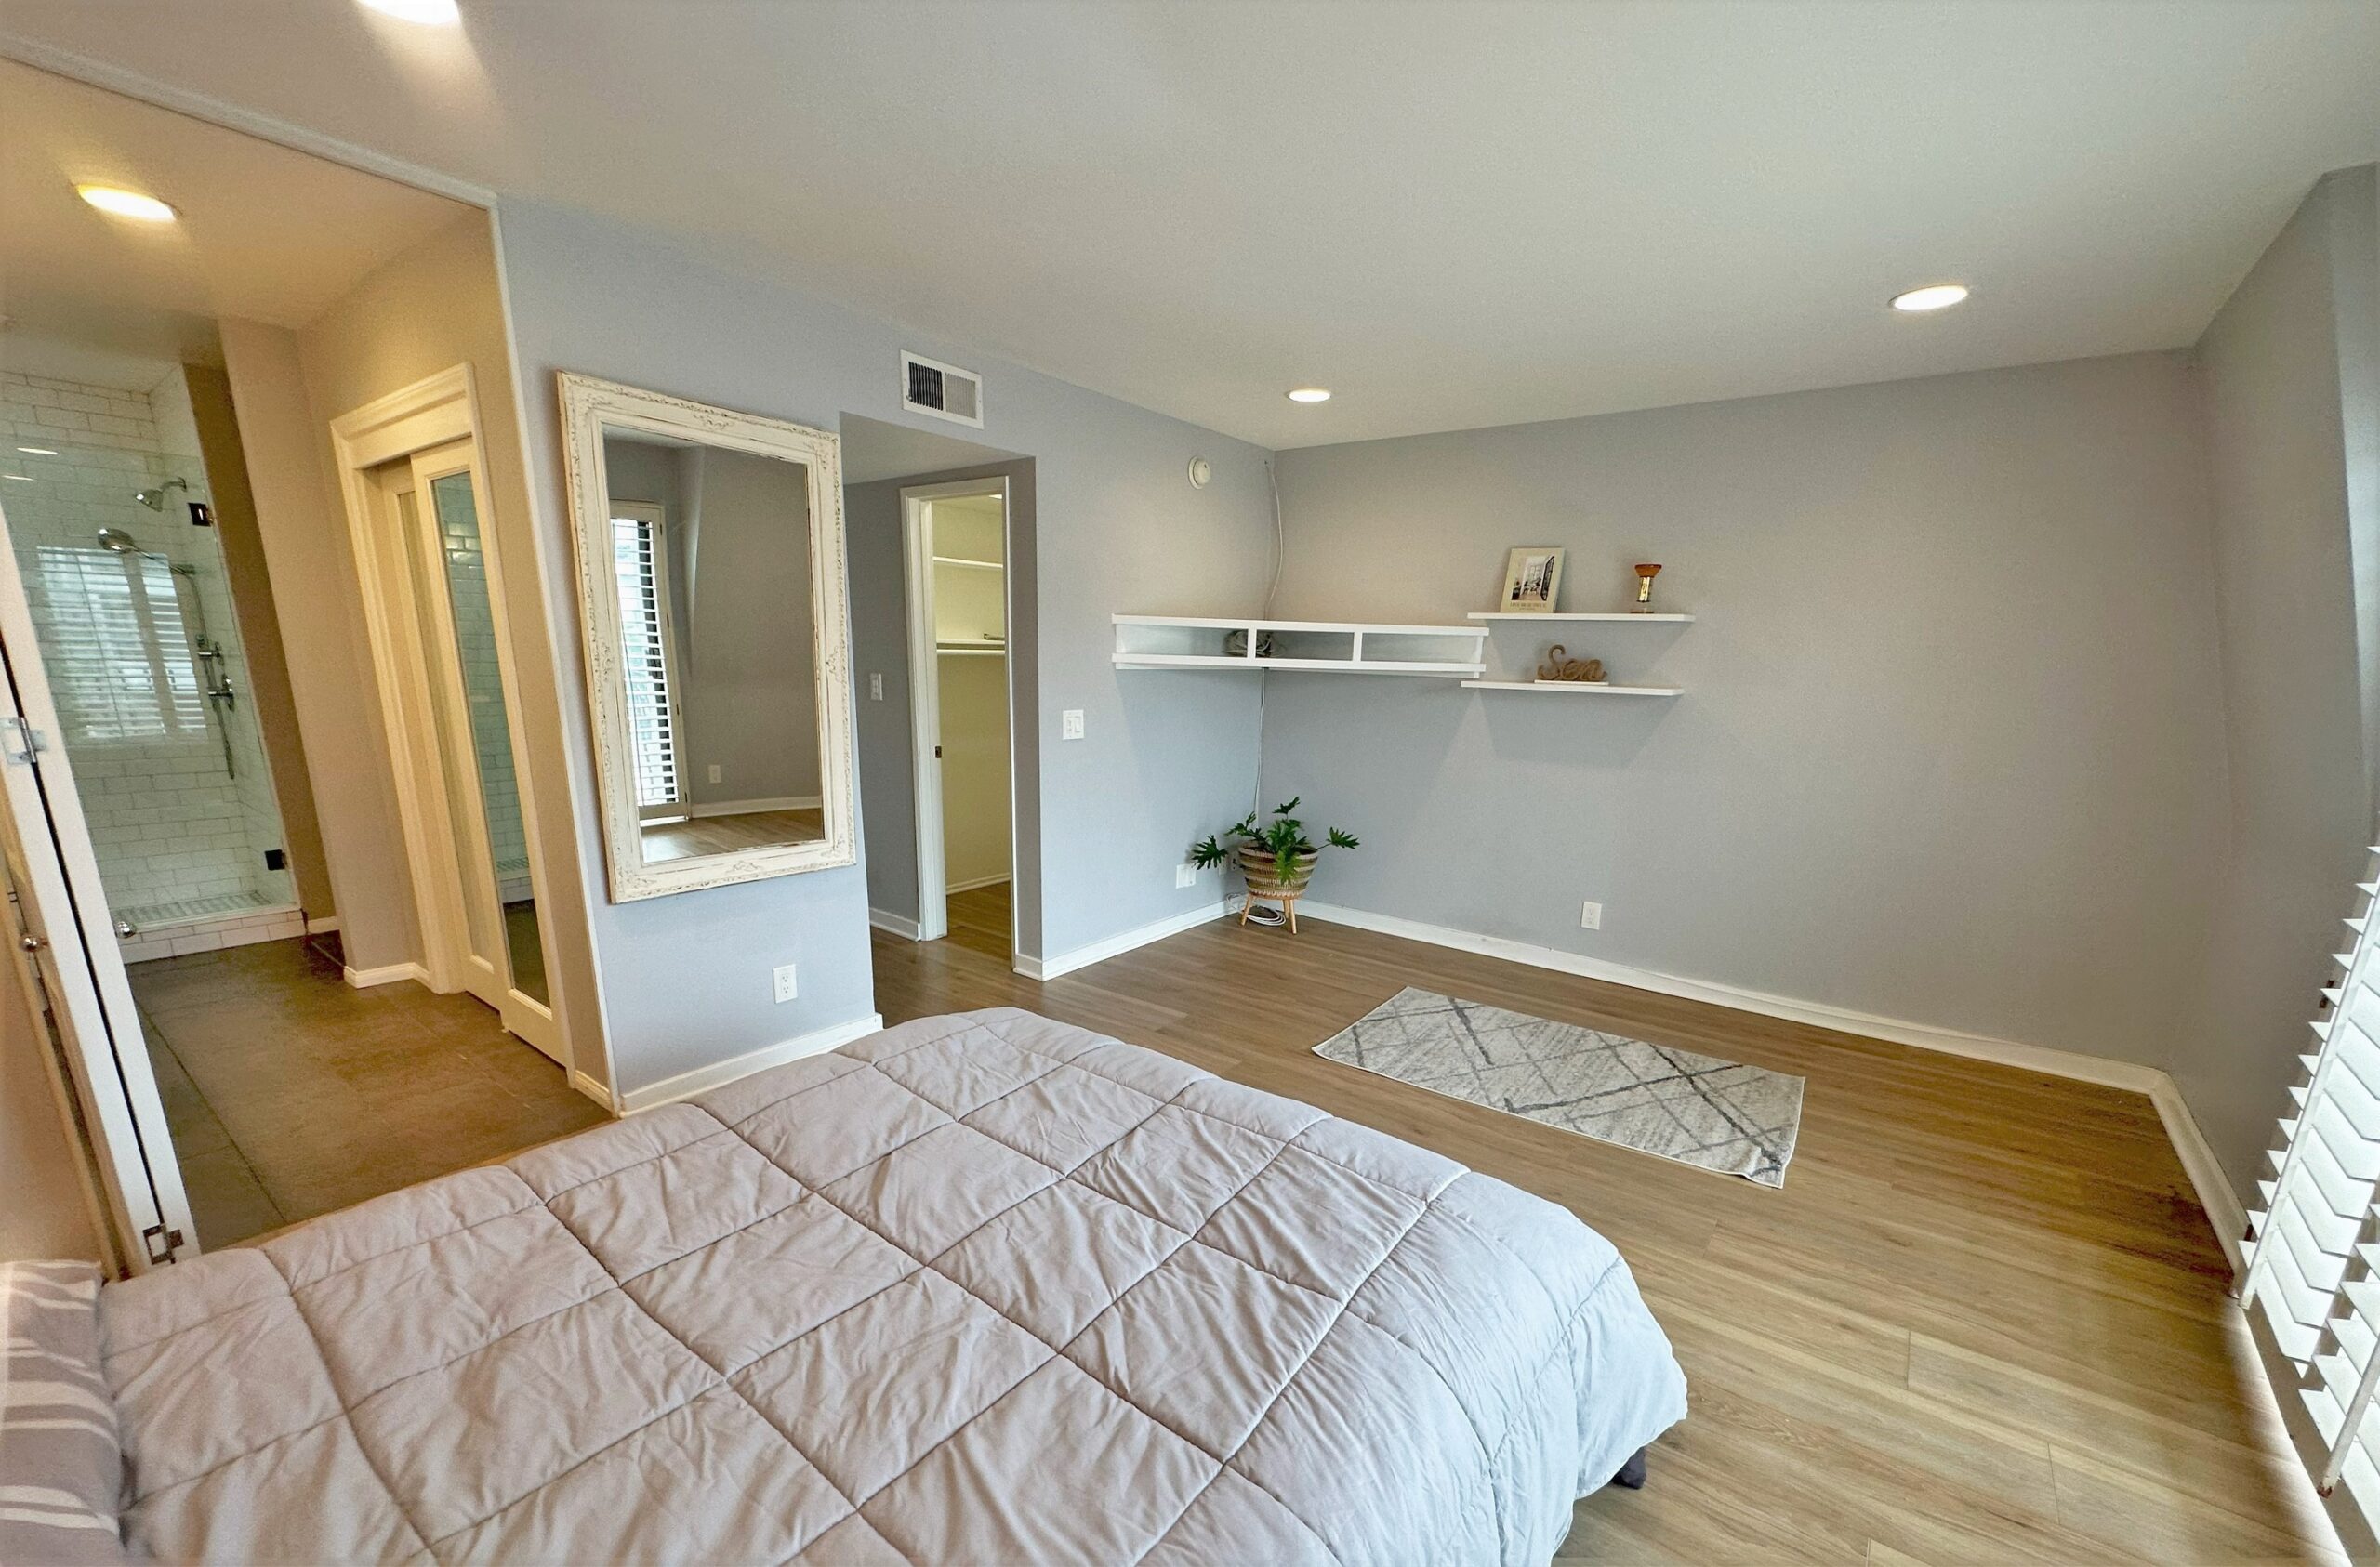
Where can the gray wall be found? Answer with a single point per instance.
(685, 979)
(2287, 372)
(1948, 752)
(751, 697)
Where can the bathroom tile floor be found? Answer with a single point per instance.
(289, 1093)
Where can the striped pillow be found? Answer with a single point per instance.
(61, 1468)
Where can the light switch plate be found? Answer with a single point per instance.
(1185, 875)
(1070, 724)
(876, 688)
(785, 991)
(714, 772)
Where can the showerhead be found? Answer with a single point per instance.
(119, 541)
(155, 499)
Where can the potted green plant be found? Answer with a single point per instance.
(1278, 858)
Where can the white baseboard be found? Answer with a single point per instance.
(979, 881)
(746, 807)
(317, 927)
(2214, 1194)
(388, 974)
(1083, 958)
(892, 924)
(592, 1089)
(702, 1079)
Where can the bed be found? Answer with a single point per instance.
(982, 1289)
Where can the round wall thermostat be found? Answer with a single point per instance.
(1201, 472)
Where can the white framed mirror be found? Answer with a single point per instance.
(711, 600)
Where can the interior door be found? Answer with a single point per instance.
(497, 955)
(70, 959)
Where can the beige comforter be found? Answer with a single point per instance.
(980, 1288)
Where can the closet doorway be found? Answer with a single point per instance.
(955, 545)
(433, 610)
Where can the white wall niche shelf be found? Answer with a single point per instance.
(1576, 688)
(1493, 616)
(1312, 646)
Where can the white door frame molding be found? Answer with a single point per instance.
(925, 693)
(434, 412)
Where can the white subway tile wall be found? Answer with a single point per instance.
(171, 823)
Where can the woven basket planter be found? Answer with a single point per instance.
(1263, 871)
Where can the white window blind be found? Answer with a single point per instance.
(2312, 1278)
(644, 657)
(118, 656)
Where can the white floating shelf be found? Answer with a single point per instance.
(1314, 646)
(1576, 688)
(1493, 616)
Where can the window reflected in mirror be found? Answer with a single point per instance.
(710, 553)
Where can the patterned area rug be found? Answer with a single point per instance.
(1697, 1110)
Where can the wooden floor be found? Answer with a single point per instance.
(979, 921)
(724, 834)
(1984, 1322)
(290, 1093)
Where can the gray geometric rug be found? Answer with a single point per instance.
(1697, 1110)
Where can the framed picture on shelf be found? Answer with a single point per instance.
(1533, 580)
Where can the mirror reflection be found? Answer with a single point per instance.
(711, 555)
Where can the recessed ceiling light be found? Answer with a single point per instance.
(126, 204)
(431, 13)
(38, 451)
(1933, 297)
(1310, 394)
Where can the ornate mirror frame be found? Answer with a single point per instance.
(589, 407)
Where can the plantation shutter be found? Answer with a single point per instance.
(653, 738)
(2312, 1278)
(117, 653)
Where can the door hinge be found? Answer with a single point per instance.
(161, 1243)
(937, 753)
(28, 742)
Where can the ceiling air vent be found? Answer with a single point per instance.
(928, 386)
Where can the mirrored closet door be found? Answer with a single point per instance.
(482, 935)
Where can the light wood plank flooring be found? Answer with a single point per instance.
(1984, 1322)
(724, 834)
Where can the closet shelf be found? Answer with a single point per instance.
(1575, 687)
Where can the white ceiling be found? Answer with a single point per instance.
(265, 234)
(1452, 213)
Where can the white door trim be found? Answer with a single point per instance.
(436, 410)
(925, 694)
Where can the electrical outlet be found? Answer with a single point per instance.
(1590, 917)
(1070, 724)
(714, 772)
(1185, 875)
(784, 982)
(876, 688)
